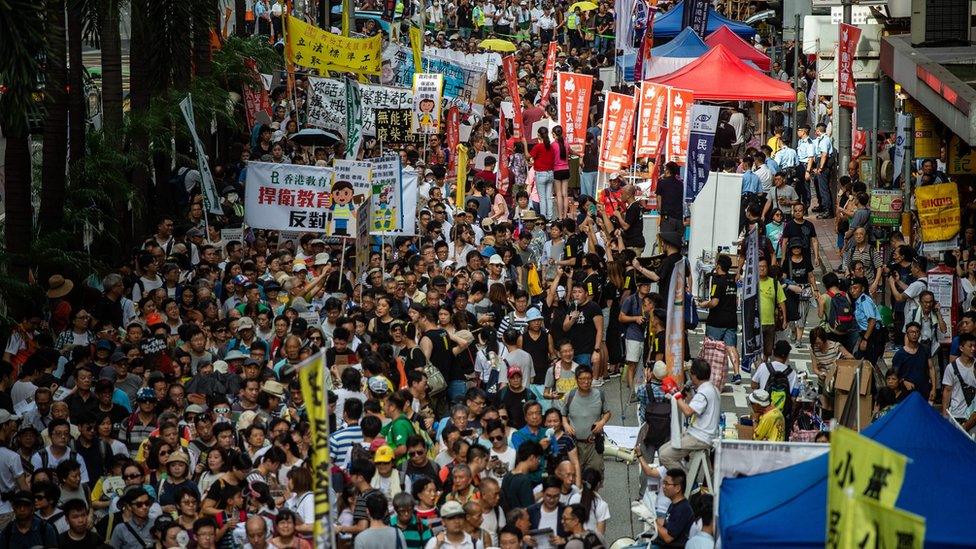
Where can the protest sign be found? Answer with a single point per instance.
(427, 90)
(287, 197)
(704, 122)
(453, 131)
(315, 380)
(393, 127)
(573, 91)
(465, 86)
(354, 119)
(357, 172)
(618, 118)
(938, 211)
(886, 207)
(408, 180)
(211, 200)
(314, 48)
(869, 524)
(231, 235)
(679, 108)
(651, 118)
(511, 79)
(385, 199)
(847, 47)
(255, 96)
(751, 327)
(549, 75)
(327, 103)
(416, 47)
(674, 335)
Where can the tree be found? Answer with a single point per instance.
(55, 151)
(111, 46)
(77, 106)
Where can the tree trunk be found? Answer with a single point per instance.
(111, 43)
(77, 105)
(139, 95)
(55, 151)
(205, 19)
(17, 207)
(240, 25)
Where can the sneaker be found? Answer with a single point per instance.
(613, 374)
(736, 379)
(598, 382)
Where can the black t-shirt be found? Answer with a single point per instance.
(666, 270)
(575, 248)
(464, 17)
(583, 332)
(672, 193)
(799, 272)
(441, 356)
(538, 349)
(678, 522)
(513, 402)
(724, 314)
(804, 230)
(90, 540)
(634, 235)
(593, 283)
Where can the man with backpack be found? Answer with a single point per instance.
(837, 311)
(868, 320)
(777, 378)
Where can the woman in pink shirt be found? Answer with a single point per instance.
(560, 172)
(543, 155)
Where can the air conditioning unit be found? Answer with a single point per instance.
(940, 22)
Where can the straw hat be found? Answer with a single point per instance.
(59, 286)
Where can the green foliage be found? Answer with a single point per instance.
(21, 46)
(228, 62)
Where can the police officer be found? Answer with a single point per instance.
(805, 150)
(822, 166)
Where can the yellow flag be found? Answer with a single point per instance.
(462, 176)
(859, 466)
(938, 211)
(312, 375)
(417, 43)
(348, 11)
(314, 48)
(867, 523)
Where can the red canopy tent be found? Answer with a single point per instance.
(739, 47)
(720, 75)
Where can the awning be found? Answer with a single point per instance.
(721, 76)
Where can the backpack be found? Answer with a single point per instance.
(592, 541)
(778, 387)
(691, 312)
(840, 317)
(177, 187)
(657, 423)
(359, 452)
(72, 456)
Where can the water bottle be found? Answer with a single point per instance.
(721, 424)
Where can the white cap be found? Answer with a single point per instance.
(496, 260)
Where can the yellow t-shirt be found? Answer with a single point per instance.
(767, 307)
(775, 143)
(772, 427)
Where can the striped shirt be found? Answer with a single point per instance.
(868, 256)
(512, 320)
(342, 440)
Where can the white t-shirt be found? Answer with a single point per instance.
(762, 373)
(22, 391)
(661, 502)
(707, 405)
(600, 512)
(547, 519)
(10, 470)
(957, 404)
(911, 294)
(303, 505)
(53, 462)
(14, 344)
(507, 457)
(148, 285)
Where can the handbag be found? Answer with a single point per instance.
(968, 391)
(436, 383)
(533, 283)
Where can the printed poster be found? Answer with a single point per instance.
(651, 118)
(886, 207)
(314, 48)
(618, 119)
(549, 75)
(427, 94)
(393, 127)
(327, 103)
(511, 79)
(704, 122)
(255, 96)
(938, 211)
(751, 324)
(846, 86)
(287, 197)
(679, 124)
(211, 200)
(354, 119)
(386, 196)
(573, 92)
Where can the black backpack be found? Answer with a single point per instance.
(657, 423)
(592, 541)
(778, 387)
(840, 317)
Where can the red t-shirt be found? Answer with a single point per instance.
(543, 159)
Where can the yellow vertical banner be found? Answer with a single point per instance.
(348, 17)
(312, 377)
(867, 523)
(462, 176)
(417, 44)
(859, 466)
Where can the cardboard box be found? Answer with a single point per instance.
(745, 431)
(844, 376)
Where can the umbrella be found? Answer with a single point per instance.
(496, 44)
(312, 137)
(583, 6)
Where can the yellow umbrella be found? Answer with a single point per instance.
(583, 6)
(496, 44)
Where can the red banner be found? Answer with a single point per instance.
(255, 98)
(846, 87)
(618, 130)
(574, 107)
(549, 74)
(453, 135)
(647, 42)
(511, 78)
(859, 138)
(653, 99)
(679, 125)
(502, 155)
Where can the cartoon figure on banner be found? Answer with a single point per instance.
(383, 216)
(427, 119)
(342, 209)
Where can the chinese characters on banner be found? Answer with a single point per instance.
(846, 87)
(287, 197)
(427, 96)
(327, 103)
(314, 48)
(314, 383)
(255, 96)
(357, 172)
(211, 200)
(453, 131)
(549, 74)
(858, 467)
(674, 334)
(618, 118)
(386, 197)
(650, 119)
(704, 122)
(465, 86)
(679, 109)
(938, 211)
(354, 119)
(695, 15)
(503, 172)
(573, 92)
(751, 326)
(511, 78)
(870, 524)
(393, 127)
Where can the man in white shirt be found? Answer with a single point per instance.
(959, 379)
(762, 171)
(12, 476)
(704, 408)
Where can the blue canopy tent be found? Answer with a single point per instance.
(669, 24)
(787, 508)
(667, 58)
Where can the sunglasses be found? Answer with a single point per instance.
(499, 437)
(132, 476)
(143, 503)
(417, 453)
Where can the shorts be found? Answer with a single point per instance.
(633, 350)
(769, 338)
(726, 335)
(560, 175)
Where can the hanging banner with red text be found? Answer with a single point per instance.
(679, 125)
(453, 134)
(511, 78)
(573, 91)
(618, 130)
(502, 155)
(549, 74)
(846, 87)
(650, 118)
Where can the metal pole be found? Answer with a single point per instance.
(906, 177)
(873, 137)
(844, 123)
(797, 46)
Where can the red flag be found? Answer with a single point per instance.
(453, 136)
(574, 92)
(679, 125)
(651, 118)
(846, 87)
(255, 100)
(549, 74)
(502, 155)
(511, 78)
(618, 130)
(647, 42)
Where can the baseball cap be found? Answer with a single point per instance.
(22, 497)
(146, 394)
(514, 371)
(660, 370)
(299, 267)
(6, 416)
(233, 354)
(533, 314)
(377, 385)
(488, 251)
(321, 259)
(438, 281)
(220, 366)
(245, 323)
(384, 454)
(496, 260)
(452, 509)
